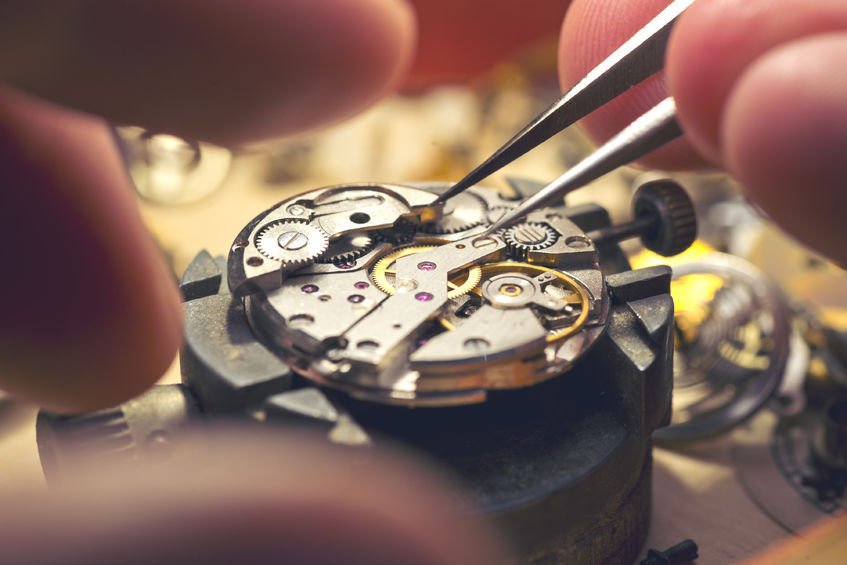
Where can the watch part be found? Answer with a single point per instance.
(461, 213)
(347, 248)
(291, 242)
(527, 236)
(438, 321)
(384, 274)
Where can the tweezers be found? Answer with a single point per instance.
(640, 57)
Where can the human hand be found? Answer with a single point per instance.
(110, 322)
(90, 315)
(761, 89)
(93, 278)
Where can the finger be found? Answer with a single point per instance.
(592, 30)
(90, 316)
(715, 42)
(784, 130)
(458, 41)
(215, 70)
(253, 498)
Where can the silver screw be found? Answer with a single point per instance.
(293, 240)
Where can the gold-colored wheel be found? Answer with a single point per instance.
(383, 273)
(556, 287)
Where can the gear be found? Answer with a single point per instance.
(675, 223)
(497, 212)
(462, 212)
(346, 248)
(383, 276)
(529, 236)
(291, 242)
(554, 284)
(402, 233)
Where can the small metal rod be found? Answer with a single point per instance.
(620, 232)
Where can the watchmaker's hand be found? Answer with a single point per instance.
(255, 496)
(761, 89)
(89, 316)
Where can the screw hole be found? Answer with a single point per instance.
(577, 242)
(360, 218)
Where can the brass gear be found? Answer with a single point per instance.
(460, 284)
(581, 296)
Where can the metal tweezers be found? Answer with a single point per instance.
(640, 57)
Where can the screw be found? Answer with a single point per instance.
(683, 552)
(578, 242)
(529, 234)
(293, 240)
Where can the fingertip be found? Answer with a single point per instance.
(91, 315)
(696, 77)
(325, 62)
(784, 133)
(255, 495)
(588, 36)
(458, 41)
(714, 42)
(216, 70)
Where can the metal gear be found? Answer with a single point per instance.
(402, 233)
(460, 284)
(462, 212)
(291, 242)
(347, 248)
(564, 289)
(529, 236)
(497, 212)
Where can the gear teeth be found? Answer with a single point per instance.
(497, 212)
(312, 244)
(347, 248)
(402, 233)
(466, 211)
(380, 269)
(529, 236)
(668, 201)
(104, 431)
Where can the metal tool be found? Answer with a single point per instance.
(637, 59)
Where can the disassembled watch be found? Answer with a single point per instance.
(424, 315)
(537, 363)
